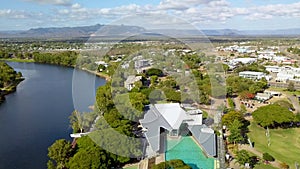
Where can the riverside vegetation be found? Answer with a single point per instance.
(9, 79)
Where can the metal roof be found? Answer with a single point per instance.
(205, 138)
(170, 116)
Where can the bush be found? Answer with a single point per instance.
(284, 166)
(173, 164)
(154, 72)
(268, 157)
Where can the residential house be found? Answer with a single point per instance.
(129, 83)
(172, 118)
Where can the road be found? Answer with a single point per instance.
(294, 100)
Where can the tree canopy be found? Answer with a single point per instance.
(8, 75)
(268, 157)
(59, 153)
(273, 116)
(67, 58)
(172, 164)
(235, 132)
(243, 157)
(229, 118)
(154, 72)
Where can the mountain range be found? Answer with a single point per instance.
(125, 30)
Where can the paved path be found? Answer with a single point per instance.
(294, 100)
(221, 152)
(237, 103)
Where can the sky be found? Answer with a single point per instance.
(199, 14)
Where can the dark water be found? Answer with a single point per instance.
(33, 117)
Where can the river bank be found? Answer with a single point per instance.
(17, 60)
(99, 74)
(102, 75)
(37, 114)
(9, 89)
(9, 80)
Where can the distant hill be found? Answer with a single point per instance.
(124, 30)
(82, 31)
(278, 32)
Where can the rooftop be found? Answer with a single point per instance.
(170, 116)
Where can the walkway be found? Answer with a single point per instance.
(294, 100)
(221, 152)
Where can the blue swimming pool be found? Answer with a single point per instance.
(188, 151)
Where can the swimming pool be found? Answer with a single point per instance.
(188, 151)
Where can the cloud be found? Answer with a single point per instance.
(272, 11)
(198, 12)
(15, 14)
(52, 2)
(181, 4)
(76, 6)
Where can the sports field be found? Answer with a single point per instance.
(285, 143)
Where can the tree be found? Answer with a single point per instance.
(92, 158)
(268, 157)
(243, 109)
(78, 122)
(172, 164)
(225, 67)
(172, 95)
(101, 68)
(104, 99)
(59, 153)
(154, 72)
(243, 157)
(8, 76)
(156, 96)
(235, 132)
(229, 91)
(291, 87)
(229, 118)
(273, 116)
(231, 103)
(153, 80)
(245, 95)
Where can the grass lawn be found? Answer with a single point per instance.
(263, 166)
(285, 143)
(18, 60)
(283, 90)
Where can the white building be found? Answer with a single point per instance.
(279, 59)
(101, 63)
(242, 60)
(129, 83)
(288, 73)
(273, 69)
(254, 75)
(263, 96)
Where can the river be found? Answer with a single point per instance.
(36, 115)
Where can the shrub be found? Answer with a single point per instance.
(268, 157)
(284, 166)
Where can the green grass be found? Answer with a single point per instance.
(264, 166)
(285, 143)
(17, 60)
(283, 90)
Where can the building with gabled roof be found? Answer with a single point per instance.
(172, 117)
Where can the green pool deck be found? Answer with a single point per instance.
(186, 149)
